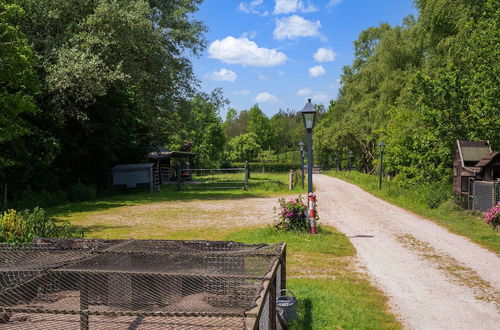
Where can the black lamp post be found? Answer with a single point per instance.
(309, 116)
(350, 160)
(382, 149)
(301, 147)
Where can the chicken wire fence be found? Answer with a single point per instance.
(135, 284)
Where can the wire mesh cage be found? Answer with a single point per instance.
(133, 284)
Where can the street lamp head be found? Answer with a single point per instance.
(382, 146)
(301, 146)
(309, 115)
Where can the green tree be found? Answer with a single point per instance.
(114, 76)
(206, 129)
(244, 147)
(258, 124)
(18, 83)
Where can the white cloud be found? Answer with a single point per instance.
(295, 26)
(321, 97)
(266, 97)
(292, 6)
(262, 77)
(281, 73)
(324, 55)
(316, 71)
(304, 92)
(222, 75)
(250, 7)
(241, 92)
(333, 3)
(243, 51)
(249, 34)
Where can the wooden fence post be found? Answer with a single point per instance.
(290, 180)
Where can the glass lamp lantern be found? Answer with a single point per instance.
(309, 115)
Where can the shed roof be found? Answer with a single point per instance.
(160, 152)
(473, 151)
(132, 167)
(488, 159)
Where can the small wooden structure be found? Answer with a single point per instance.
(166, 162)
(134, 176)
(474, 161)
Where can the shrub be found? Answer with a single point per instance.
(291, 215)
(269, 167)
(492, 217)
(25, 226)
(81, 192)
(29, 198)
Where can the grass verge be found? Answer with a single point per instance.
(320, 272)
(417, 200)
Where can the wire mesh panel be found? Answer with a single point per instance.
(483, 196)
(131, 284)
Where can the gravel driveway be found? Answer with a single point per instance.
(434, 279)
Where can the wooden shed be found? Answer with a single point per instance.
(134, 176)
(474, 161)
(166, 163)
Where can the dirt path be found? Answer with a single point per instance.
(434, 279)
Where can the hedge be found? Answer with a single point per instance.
(269, 167)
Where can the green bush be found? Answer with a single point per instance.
(81, 192)
(25, 226)
(269, 167)
(29, 199)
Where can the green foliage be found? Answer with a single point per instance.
(258, 124)
(18, 80)
(269, 167)
(266, 156)
(28, 198)
(81, 192)
(25, 226)
(110, 80)
(244, 147)
(204, 128)
(419, 87)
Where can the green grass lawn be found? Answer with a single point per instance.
(260, 185)
(331, 293)
(447, 214)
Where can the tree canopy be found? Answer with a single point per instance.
(419, 87)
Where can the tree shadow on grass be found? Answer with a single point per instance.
(304, 315)
(88, 231)
(67, 209)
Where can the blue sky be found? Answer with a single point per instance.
(279, 53)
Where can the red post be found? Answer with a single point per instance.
(311, 199)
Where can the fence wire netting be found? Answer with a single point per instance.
(131, 284)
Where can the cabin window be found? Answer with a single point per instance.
(465, 184)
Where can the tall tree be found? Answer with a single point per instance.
(18, 83)
(114, 74)
(258, 124)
